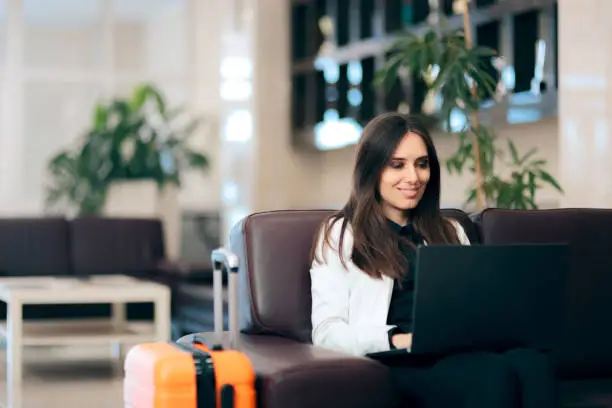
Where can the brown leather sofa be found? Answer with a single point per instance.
(273, 299)
(54, 246)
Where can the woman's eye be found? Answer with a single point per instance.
(397, 165)
(423, 164)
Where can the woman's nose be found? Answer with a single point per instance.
(410, 174)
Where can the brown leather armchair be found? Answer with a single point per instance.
(270, 304)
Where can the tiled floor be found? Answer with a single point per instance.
(66, 378)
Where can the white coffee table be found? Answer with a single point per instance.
(116, 290)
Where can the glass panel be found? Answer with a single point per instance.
(58, 115)
(151, 36)
(66, 34)
(2, 32)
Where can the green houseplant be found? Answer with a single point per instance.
(137, 138)
(456, 71)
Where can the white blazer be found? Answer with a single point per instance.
(349, 308)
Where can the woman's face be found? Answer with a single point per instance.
(404, 178)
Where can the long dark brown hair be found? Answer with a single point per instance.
(375, 247)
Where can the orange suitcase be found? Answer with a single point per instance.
(178, 375)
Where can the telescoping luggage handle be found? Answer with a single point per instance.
(224, 259)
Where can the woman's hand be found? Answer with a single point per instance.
(402, 340)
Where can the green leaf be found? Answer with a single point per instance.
(532, 184)
(197, 160)
(430, 37)
(388, 74)
(100, 117)
(191, 127)
(545, 176)
(472, 196)
(537, 163)
(449, 166)
(139, 96)
(484, 52)
(514, 152)
(527, 156)
(443, 74)
(532, 204)
(485, 83)
(161, 103)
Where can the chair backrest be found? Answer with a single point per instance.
(274, 279)
(585, 349)
(34, 246)
(103, 245)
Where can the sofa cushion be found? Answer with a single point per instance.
(34, 246)
(116, 246)
(274, 252)
(297, 375)
(585, 347)
(471, 230)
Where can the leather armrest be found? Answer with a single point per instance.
(186, 271)
(297, 375)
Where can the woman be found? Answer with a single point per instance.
(362, 278)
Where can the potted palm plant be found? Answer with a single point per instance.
(455, 72)
(129, 163)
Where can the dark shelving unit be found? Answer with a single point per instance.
(363, 29)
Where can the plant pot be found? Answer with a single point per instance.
(143, 199)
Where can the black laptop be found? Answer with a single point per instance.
(486, 298)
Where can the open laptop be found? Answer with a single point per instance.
(486, 298)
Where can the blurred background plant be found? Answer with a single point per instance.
(458, 80)
(137, 138)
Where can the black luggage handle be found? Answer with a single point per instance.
(198, 338)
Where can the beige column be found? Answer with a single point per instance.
(202, 191)
(255, 156)
(585, 103)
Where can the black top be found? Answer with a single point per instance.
(402, 298)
